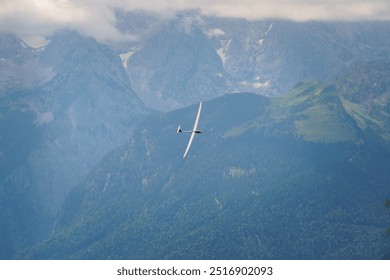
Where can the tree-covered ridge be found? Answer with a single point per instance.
(296, 177)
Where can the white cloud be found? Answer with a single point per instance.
(215, 32)
(97, 18)
(288, 9)
(32, 18)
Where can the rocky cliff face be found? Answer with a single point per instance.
(58, 128)
(189, 56)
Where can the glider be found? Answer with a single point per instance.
(193, 131)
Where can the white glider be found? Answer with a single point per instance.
(193, 131)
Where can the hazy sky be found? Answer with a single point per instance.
(29, 18)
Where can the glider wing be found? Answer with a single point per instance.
(193, 130)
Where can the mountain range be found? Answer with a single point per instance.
(192, 56)
(292, 164)
(257, 184)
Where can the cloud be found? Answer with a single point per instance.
(29, 18)
(302, 10)
(299, 10)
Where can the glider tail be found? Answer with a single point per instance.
(179, 129)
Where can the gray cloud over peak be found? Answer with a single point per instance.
(32, 18)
